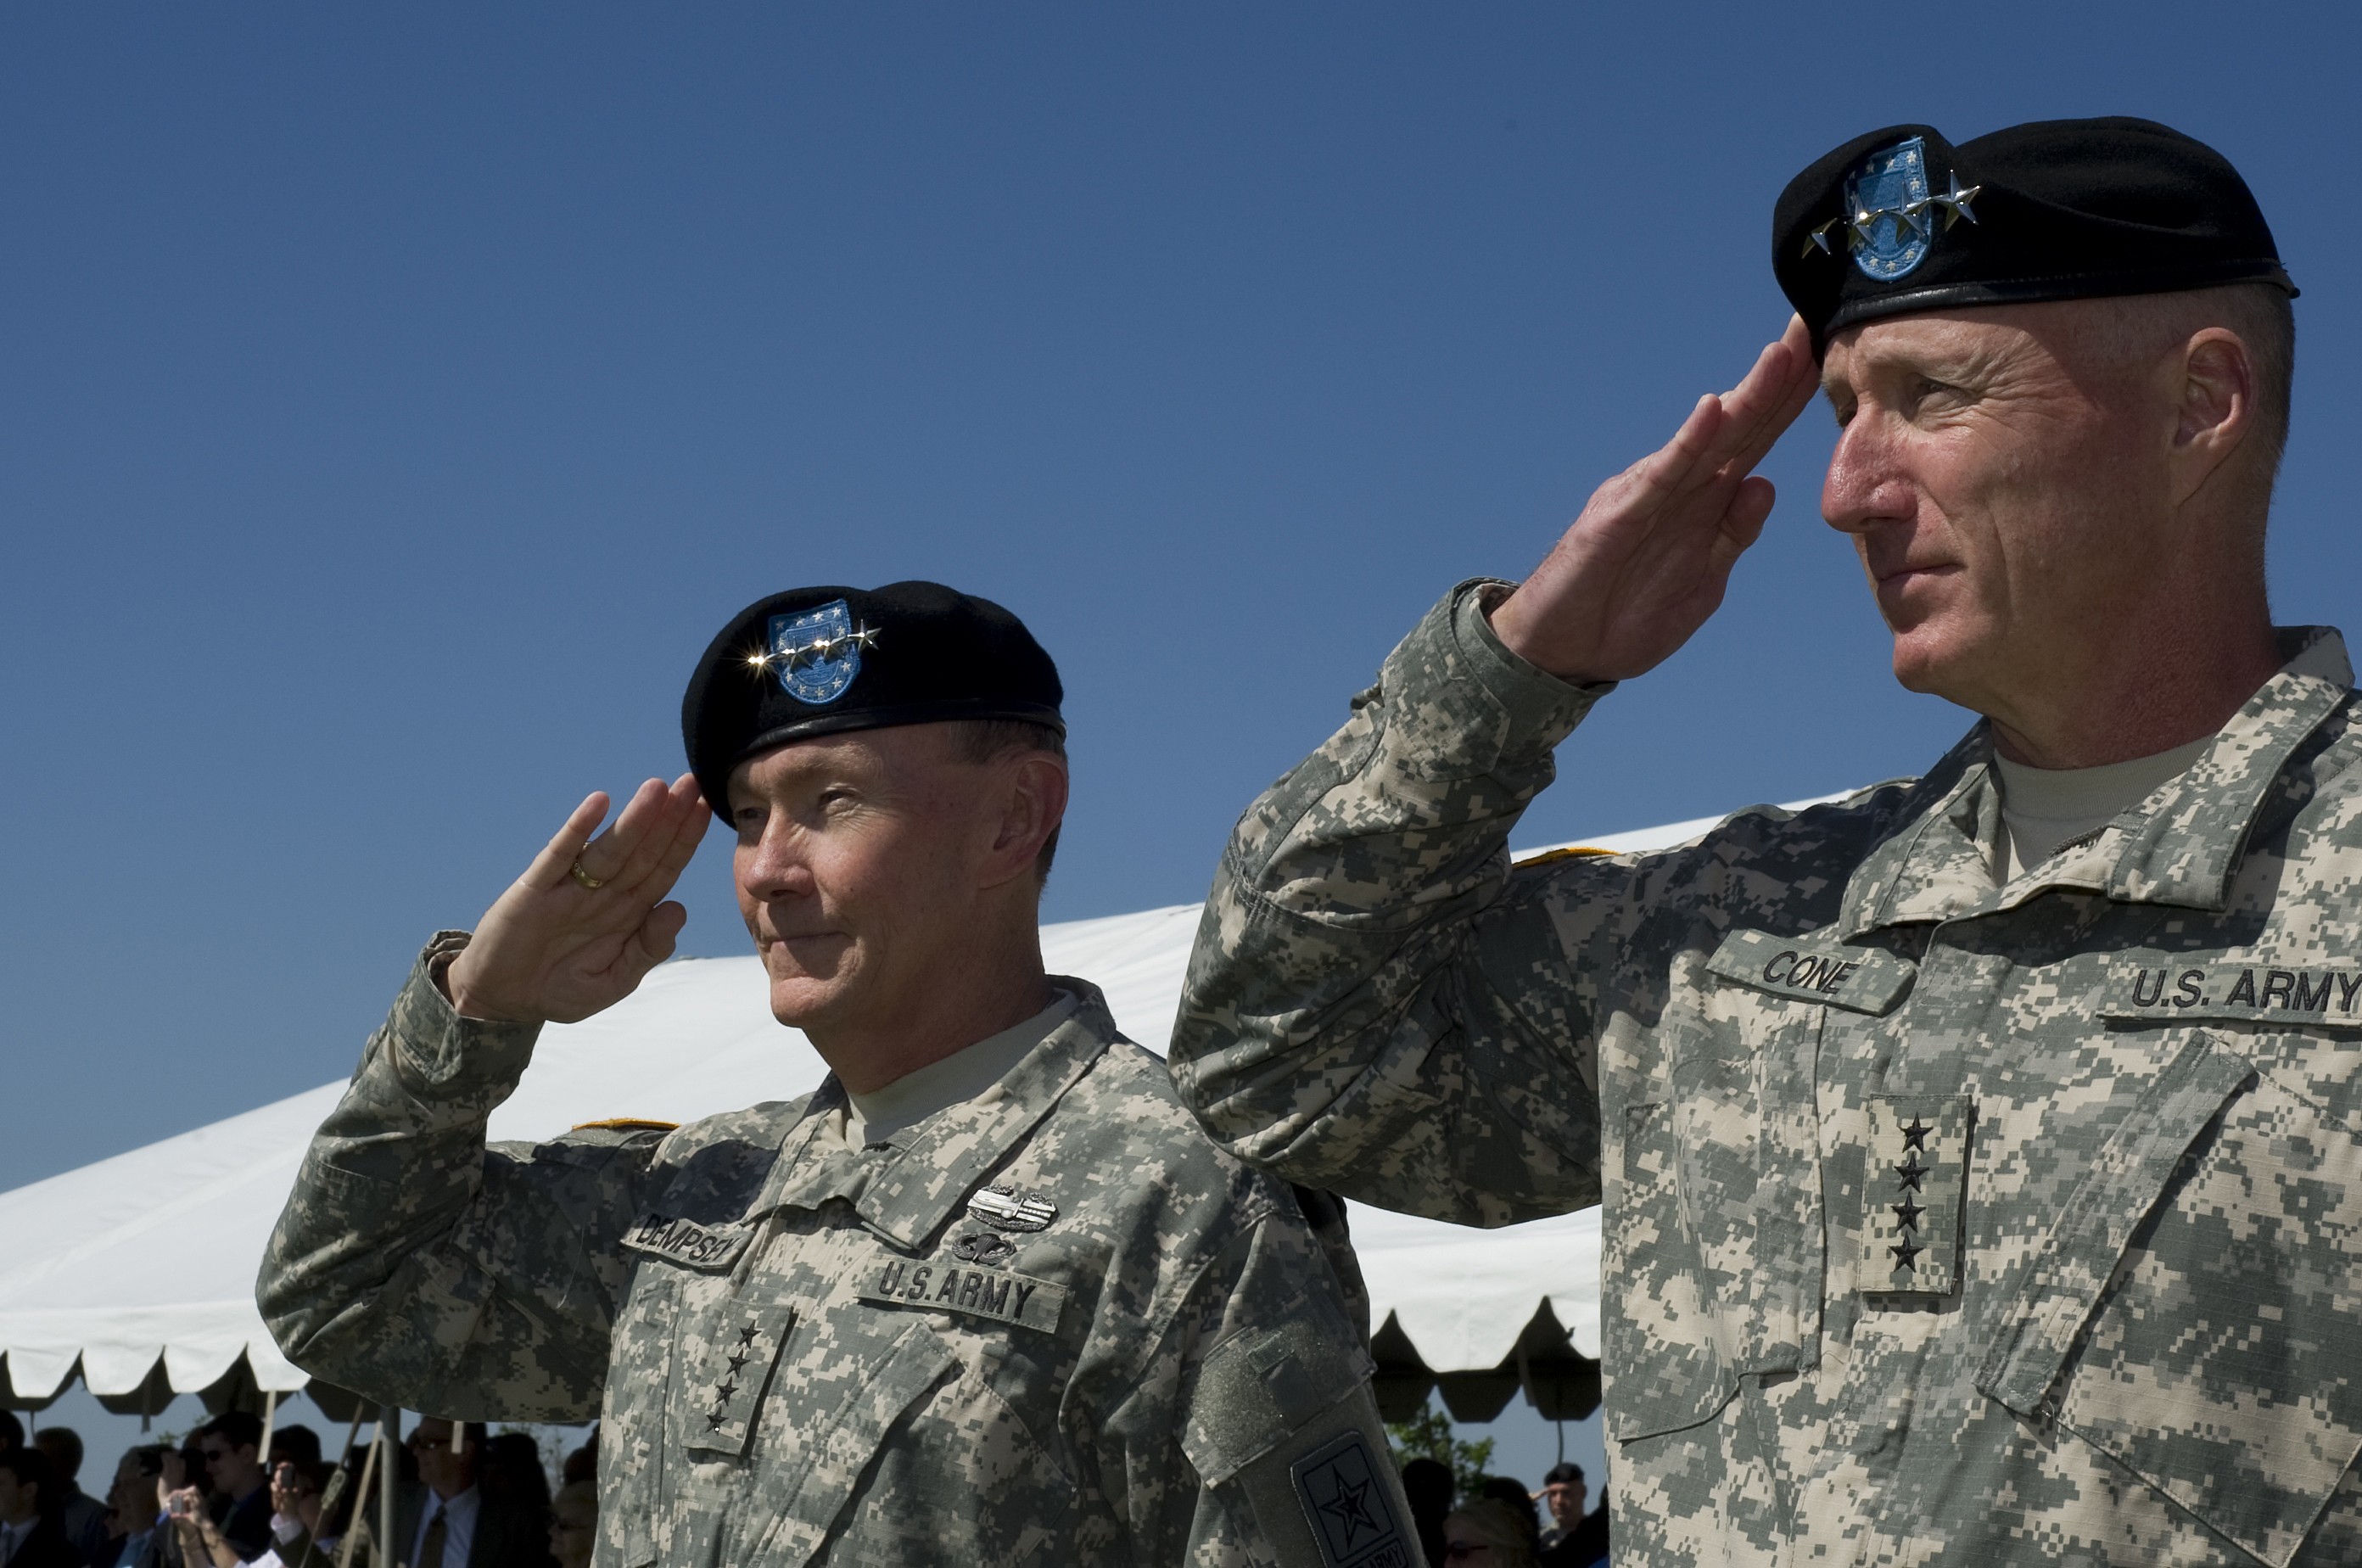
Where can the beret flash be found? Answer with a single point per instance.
(1902, 220)
(818, 661)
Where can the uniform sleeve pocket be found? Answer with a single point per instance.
(2190, 1313)
(1255, 1390)
(1282, 1425)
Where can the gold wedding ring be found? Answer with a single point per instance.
(583, 878)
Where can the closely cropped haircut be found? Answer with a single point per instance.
(2141, 327)
(239, 1429)
(980, 741)
(295, 1441)
(63, 1445)
(31, 1467)
(2266, 322)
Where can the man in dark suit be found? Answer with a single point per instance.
(85, 1516)
(232, 1445)
(32, 1530)
(450, 1522)
(133, 1540)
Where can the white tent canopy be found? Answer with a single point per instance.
(138, 1272)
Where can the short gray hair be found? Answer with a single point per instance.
(2144, 325)
(980, 741)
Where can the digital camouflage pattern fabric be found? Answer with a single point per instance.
(1946, 1223)
(804, 1352)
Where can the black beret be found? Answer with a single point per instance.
(818, 661)
(1902, 220)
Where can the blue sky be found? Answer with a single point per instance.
(393, 400)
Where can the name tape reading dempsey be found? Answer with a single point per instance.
(709, 1247)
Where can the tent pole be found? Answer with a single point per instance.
(270, 1423)
(360, 1502)
(389, 1432)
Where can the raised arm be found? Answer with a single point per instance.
(416, 1265)
(1376, 1004)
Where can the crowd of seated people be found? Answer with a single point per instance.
(464, 1497)
(1494, 1524)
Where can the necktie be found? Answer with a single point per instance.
(430, 1551)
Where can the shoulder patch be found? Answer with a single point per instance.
(626, 1125)
(1344, 1500)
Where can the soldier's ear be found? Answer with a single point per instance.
(1031, 810)
(2215, 409)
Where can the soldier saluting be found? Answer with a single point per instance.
(1980, 1152)
(987, 1297)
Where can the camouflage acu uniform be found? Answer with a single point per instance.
(810, 1353)
(1946, 1223)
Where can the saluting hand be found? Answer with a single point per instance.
(1648, 560)
(554, 948)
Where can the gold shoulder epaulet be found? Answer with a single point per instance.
(626, 1125)
(1564, 852)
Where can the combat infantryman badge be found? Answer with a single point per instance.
(1004, 1210)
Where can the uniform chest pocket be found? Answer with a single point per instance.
(846, 1396)
(2191, 1312)
(693, 1355)
(1716, 1247)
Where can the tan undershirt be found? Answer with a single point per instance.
(881, 1114)
(2045, 808)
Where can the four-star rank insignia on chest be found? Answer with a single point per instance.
(1913, 1175)
(723, 1379)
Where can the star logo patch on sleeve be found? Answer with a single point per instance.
(1345, 1502)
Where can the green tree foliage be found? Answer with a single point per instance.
(1428, 1435)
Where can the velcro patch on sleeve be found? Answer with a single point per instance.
(711, 1248)
(993, 1293)
(1859, 979)
(1345, 1501)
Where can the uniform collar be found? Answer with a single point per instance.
(905, 1194)
(2178, 846)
